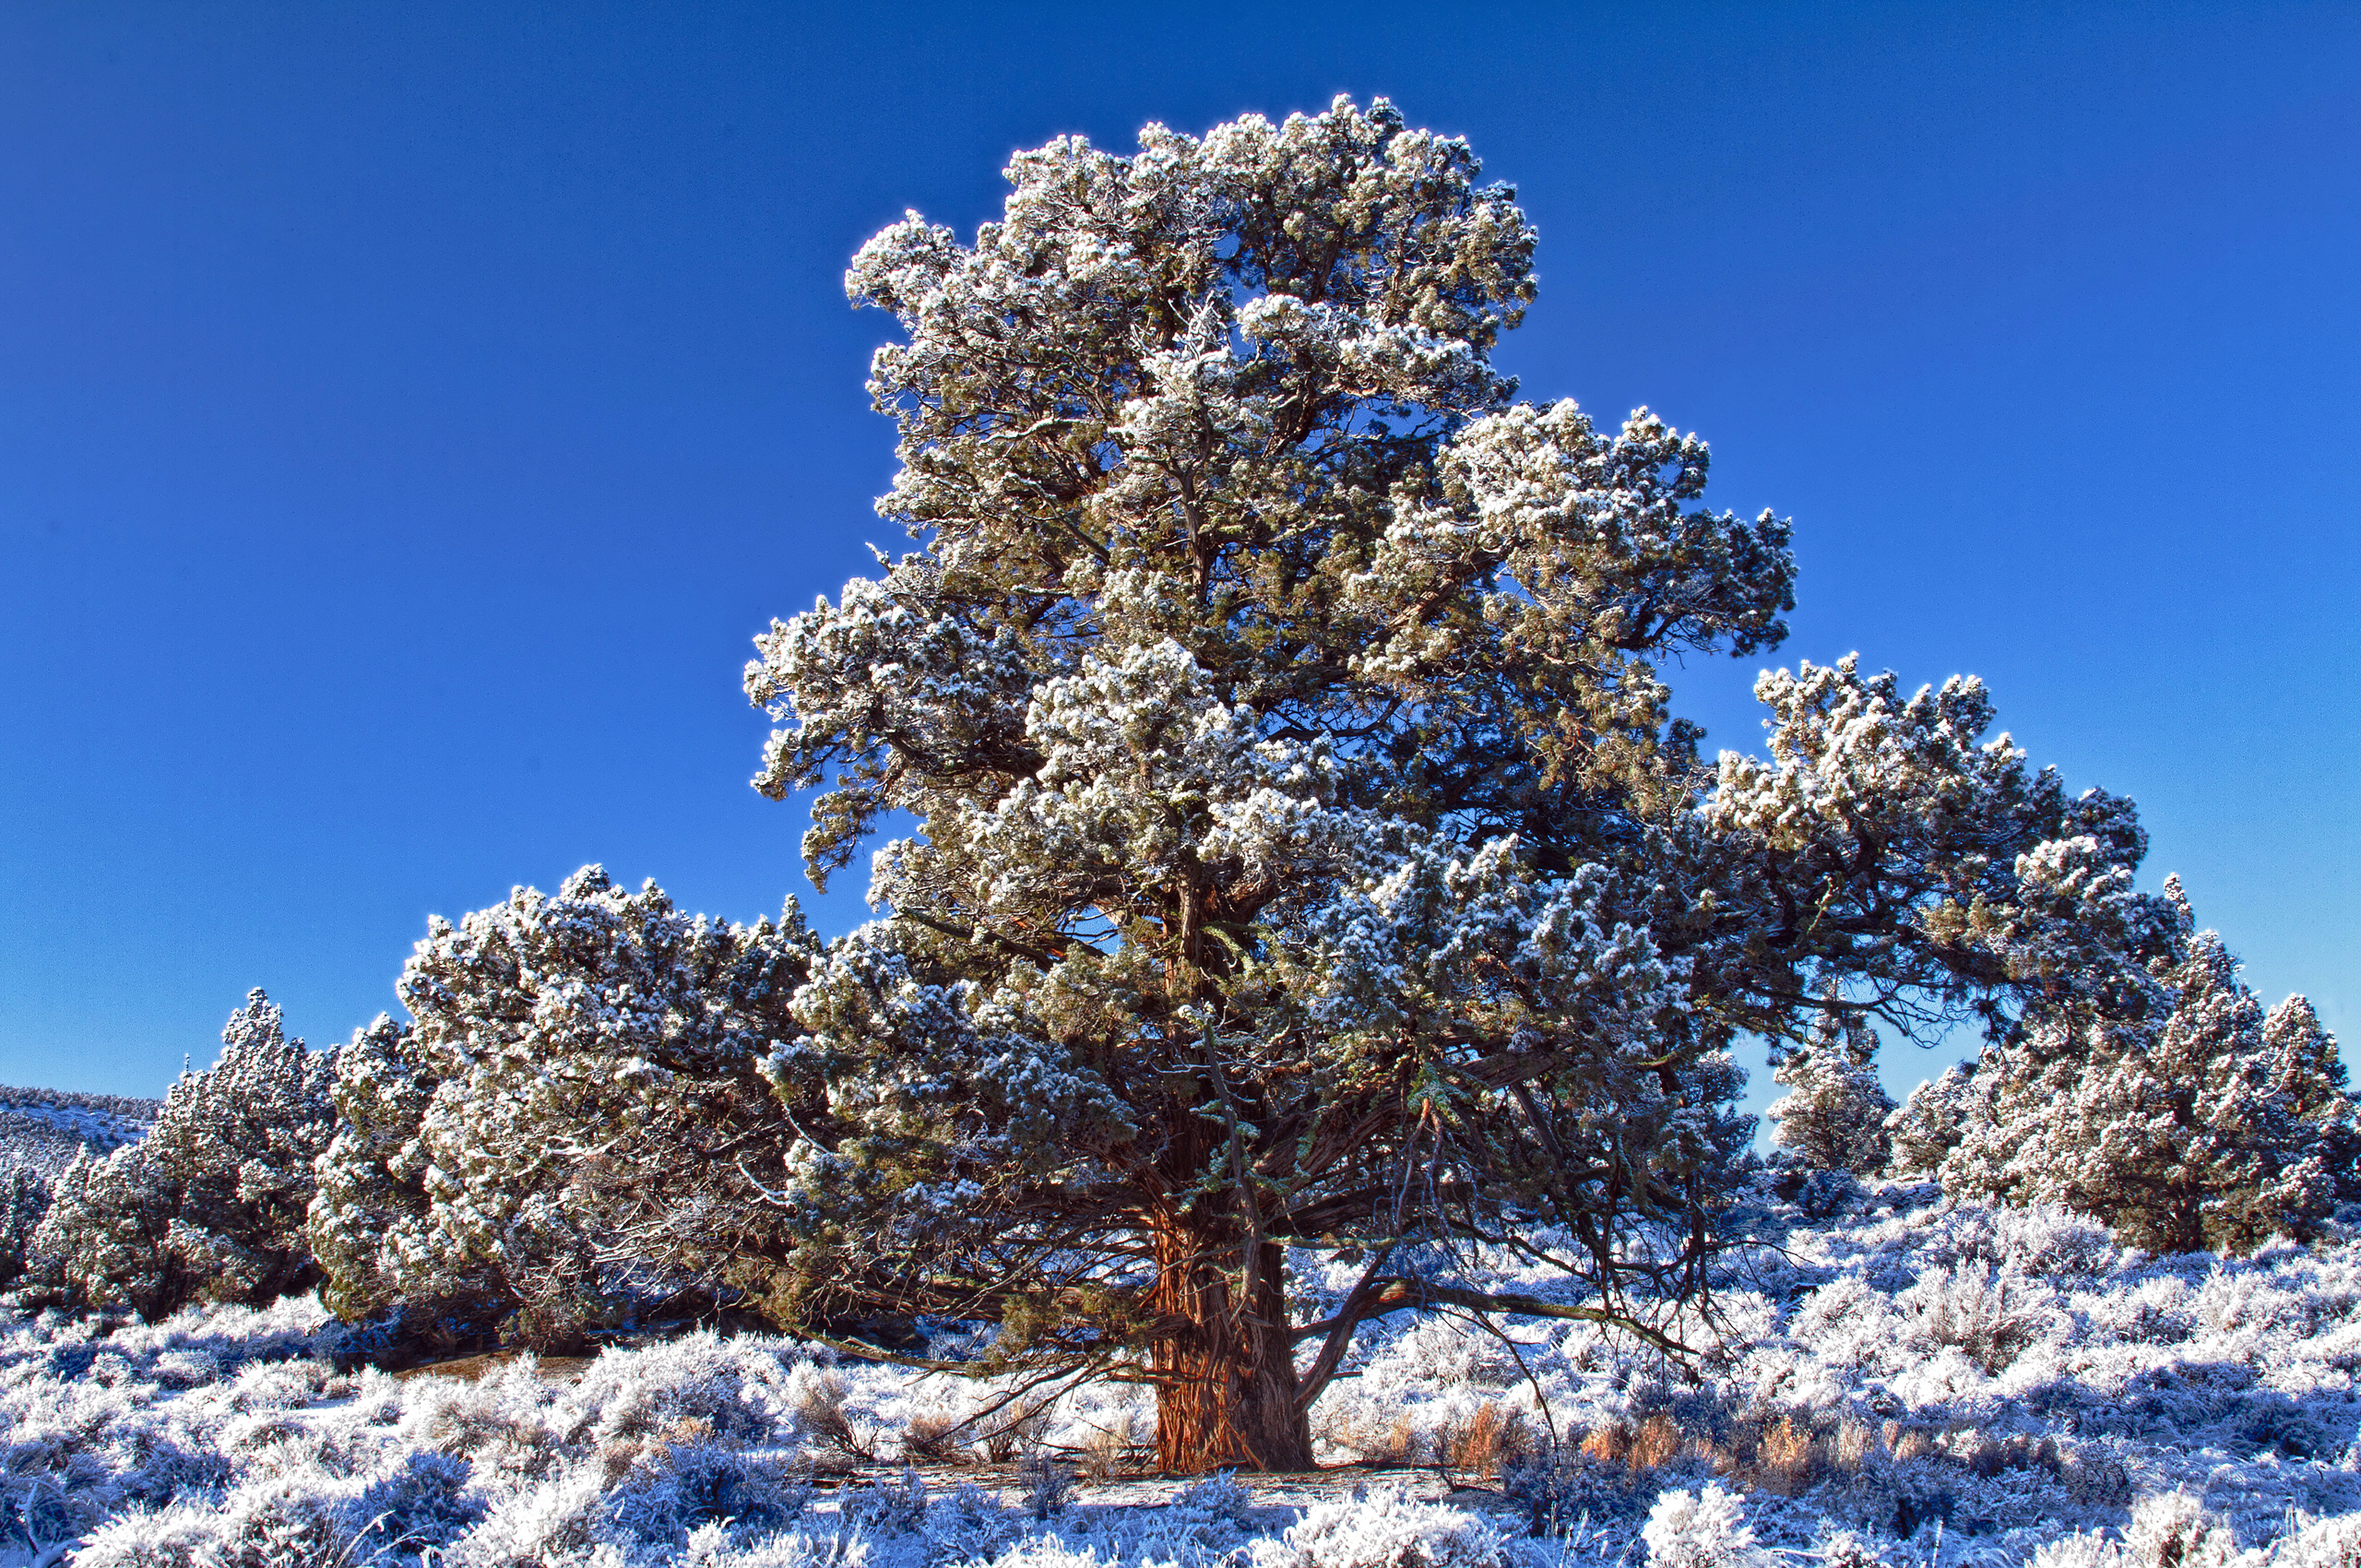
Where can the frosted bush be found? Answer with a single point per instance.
(968, 1524)
(172, 1537)
(1704, 1529)
(714, 1546)
(2082, 1548)
(2169, 1530)
(727, 1389)
(2175, 1530)
(1217, 1497)
(547, 1522)
(2322, 1543)
(1982, 1314)
(1383, 1528)
(885, 1507)
(1845, 1549)
(668, 1495)
(424, 1502)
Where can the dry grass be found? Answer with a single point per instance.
(1017, 1435)
(1391, 1439)
(1122, 1449)
(820, 1413)
(1478, 1445)
(935, 1438)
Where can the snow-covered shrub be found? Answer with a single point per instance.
(1843, 1548)
(1705, 1529)
(1383, 1528)
(967, 1525)
(1971, 1309)
(568, 1127)
(546, 1522)
(424, 1500)
(2174, 1529)
(2322, 1543)
(1834, 1115)
(699, 1382)
(1218, 1498)
(671, 1492)
(885, 1507)
(2198, 1124)
(1559, 1485)
(2168, 1530)
(210, 1204)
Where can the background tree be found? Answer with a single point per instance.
(2202, 1123)
(24, 1202)
(210, 1205)
(1834, 1115)
(573, 1121)
(1922, 1132)
(1306, 854)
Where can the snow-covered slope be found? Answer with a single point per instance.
(43, 1128)
(1901, 1381)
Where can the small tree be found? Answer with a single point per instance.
(210, 1204)
(573, 1121)
(2200, 1123)
(1306, 856)
(1834, 1115)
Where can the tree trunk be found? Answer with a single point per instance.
(1224, 1378)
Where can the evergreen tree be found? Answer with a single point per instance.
(24, 1201)
(2198, 1123)
(1922, 1134)
(210, 1205)
(573, 1122)
(1306, 855)
(1835, 1112)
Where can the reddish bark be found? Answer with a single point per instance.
(1223, 1367)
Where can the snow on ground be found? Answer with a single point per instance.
(1903, 1382)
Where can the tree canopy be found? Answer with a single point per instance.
(1306, 855)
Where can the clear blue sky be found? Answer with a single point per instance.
(407, 412)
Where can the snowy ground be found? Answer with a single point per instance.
(1902, 1382)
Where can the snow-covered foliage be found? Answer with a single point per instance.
(24, 1202)
(2201, 1122)
(1835, 1112)
(1913, 1381)
(1305, 852)
(209, 1205)
(1705, 1529)
(572, 1123)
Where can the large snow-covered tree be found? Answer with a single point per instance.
(210, 1204)
(573, 1122)
(2201, 1123)
(1305, 855)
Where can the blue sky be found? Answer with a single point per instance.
(408, 413)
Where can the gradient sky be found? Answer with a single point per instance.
(409, 413)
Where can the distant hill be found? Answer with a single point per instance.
(43, 1128)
